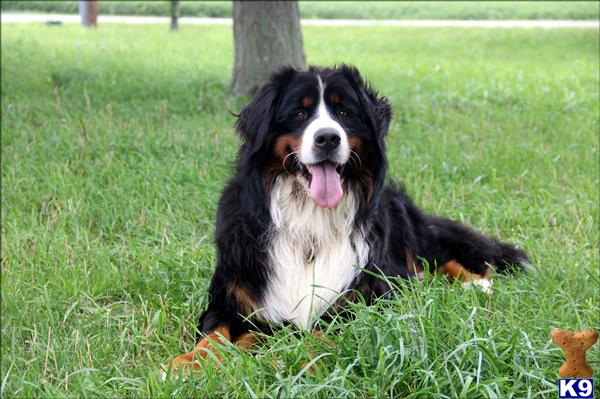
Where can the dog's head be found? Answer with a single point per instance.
(324, 125)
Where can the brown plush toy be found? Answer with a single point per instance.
(574, 344)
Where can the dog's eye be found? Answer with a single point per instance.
(343, 113)
(300, 114)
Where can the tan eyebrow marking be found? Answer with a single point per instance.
(335, 98)
(307, 101)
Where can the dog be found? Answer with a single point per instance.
(307, 221)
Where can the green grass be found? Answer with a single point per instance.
(345, 9)
(117, 141)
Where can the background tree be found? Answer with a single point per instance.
(174, 14)
(88, 10)
(267, 34)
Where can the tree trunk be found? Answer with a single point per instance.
(267, 34)
(88, 10)
(174, 14)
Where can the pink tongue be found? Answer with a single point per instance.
(325, 187)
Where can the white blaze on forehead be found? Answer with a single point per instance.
(323, 120)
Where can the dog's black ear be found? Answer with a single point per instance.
(256, 119)
(378, 108)
(381, 112)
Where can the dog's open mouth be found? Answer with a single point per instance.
(325, 183)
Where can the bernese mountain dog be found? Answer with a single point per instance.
(307, 222)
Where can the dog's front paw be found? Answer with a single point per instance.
(180, 366)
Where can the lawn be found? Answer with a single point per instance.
(117, 141)
(342, 9)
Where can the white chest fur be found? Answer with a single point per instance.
(315, 253)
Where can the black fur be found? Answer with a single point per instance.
(394, 224)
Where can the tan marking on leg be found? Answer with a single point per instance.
(243, 297)
(318, 334)
(206, 344)
(246, 340)
(187, 361)
(410, 262)
(455, 271)
(413, 266)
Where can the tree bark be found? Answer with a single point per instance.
(267, 34)
(174, 14)
(88, 10)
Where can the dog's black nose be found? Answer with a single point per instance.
(327, 139)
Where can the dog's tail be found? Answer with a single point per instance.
(511, 258)
(473, 250)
